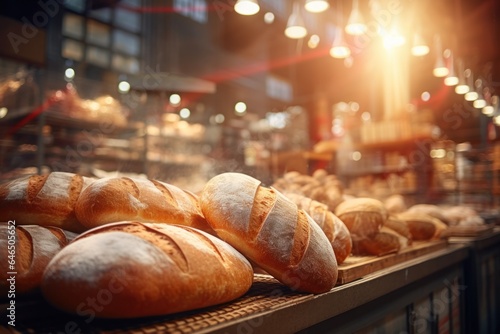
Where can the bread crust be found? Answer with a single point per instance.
(35, 246)
(422, 226)
(334, 228)
(115, 199)
(271, 231)
(46, 200)
(363, 216)
(140, 269)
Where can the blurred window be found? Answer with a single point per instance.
(195, 9)
(108, 37)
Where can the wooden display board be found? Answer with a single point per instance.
(355, 267)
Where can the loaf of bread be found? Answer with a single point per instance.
(47, 200)
(270, 230)
(334, 229)
(115, 199)
(132, 269)
(363, 216)
(395, 203)
(400, 227)
(320, 186)
(381, 243)
(429, 209)
(28, 248)
(422, 226)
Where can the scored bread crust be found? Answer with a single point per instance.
(141, 269)
(270, 230)
(47, 200)
(363, 216)
(115, 199)
(334, 228)
(35, 246)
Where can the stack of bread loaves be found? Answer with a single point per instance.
(378, 228)
(157, 248)
(320, 186)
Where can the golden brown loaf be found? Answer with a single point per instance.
(334, 229)
(363, 216)
(381, 243)
(320, 186)
(422, 226)
(47, 200)
(34, 247)
(400, 227)
(115, 199)
(134, 269)
(431, 210)
(271, 231)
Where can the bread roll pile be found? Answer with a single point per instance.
(158, 247)
(334, 228)
(102, 109)
(320, 186)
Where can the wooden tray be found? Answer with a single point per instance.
(467, 231)
(355, 267)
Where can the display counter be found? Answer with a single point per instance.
(412, 292)
(482, 273)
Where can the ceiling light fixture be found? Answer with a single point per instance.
(340, 49)
(419, 47)
(440, 70)
(295, 27)
(451, 79)
(316, 6)
(471, 95)
(247, 7)
(462, 87)
(355, 25)
(480, 102)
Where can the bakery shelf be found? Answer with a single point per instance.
(268, 307)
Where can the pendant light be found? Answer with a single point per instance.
(295, 27)
(451, 79)
(316, 6)
(480, 102)
(440, 70)
(355, 25)
(471, 95)
(462, 87)
(419, 47)
(246, 7)
(339, 49)
(492, 108)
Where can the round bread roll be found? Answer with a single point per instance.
(363, 216)
(131, 269)
(271, 231)
(47, 200)
(30, 247)
(334, 229)
(115, 199)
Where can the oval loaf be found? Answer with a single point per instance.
(134, 269)
(334, 228)
(34, 247)
(271, 231)
(116, 199)
(47, 200)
